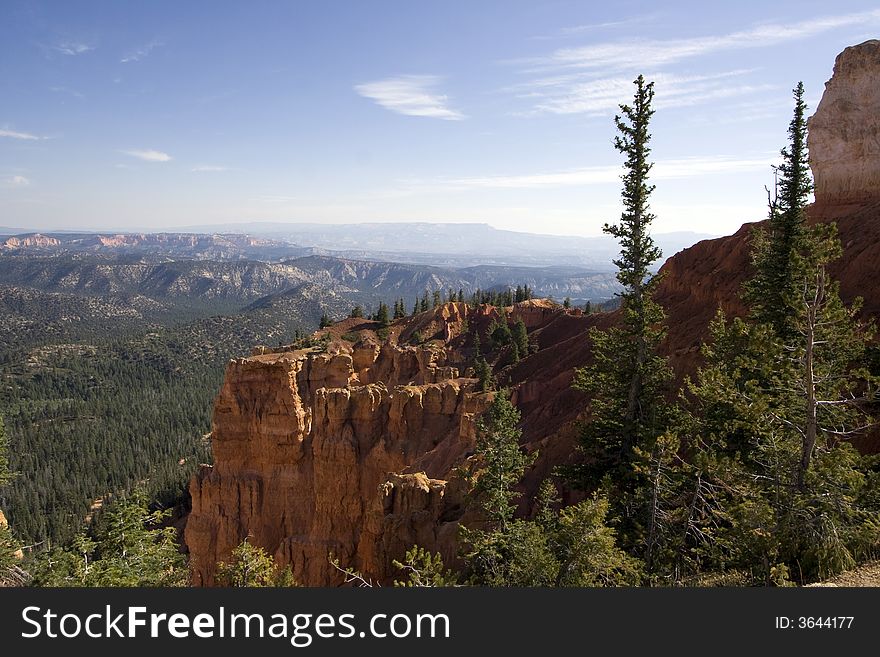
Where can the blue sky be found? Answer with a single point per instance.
(146, 116)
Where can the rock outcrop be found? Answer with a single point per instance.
(331, 453)
(844, 133)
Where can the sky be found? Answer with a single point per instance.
(153, 115)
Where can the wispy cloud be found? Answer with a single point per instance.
(208, 168)
(67, 90)
(629, 54)
(15, 134)
(579, 30)
(412, 95)
(138, 54)
(602, 96)
(594, 78)
(597, 175)
(17, 181)
(149, 155)
(72, 48)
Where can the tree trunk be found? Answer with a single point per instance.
(811, 424)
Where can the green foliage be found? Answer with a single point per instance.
(10, 573)
(485, 377)
(500, 462)
(777, 250)
(252, 566)
(382, 315)
(737, 503)
(325, 321)
(357, 311)
(499, 333)
(573, 547)
(566, 302)
(520, 337)
(128, 547)
(628, 379)
(5, 475)
(423, 569)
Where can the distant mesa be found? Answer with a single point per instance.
(30, 241)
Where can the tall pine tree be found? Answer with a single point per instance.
(773, 292)
(627, 378)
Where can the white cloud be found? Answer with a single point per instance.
(72, 48)
(632, 54)
(593, 79)
(411, 95)
(149, 155)
(18, 181)
(14, 134)
(602, 96)
(209, 167)
(598, 175)
(138, 54)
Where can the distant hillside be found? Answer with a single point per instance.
(434, 244)
(240, 282)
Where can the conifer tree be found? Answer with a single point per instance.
(252, 566)
(520, 337)
(382, 315)
(628, 377)
(773, 292)
(424, 304)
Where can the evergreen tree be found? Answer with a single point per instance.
(773, 292)
(424, 304)
(627, 378)
(357, 311)
(574, 547)
(424, 569)
(566, 302)
(520, 337)
(437, 300)
(252, 566)
(382, 315)
(415, 310)
(325, 321)
(129, 547)
(588, 308)
(501, 461)
(460, 295)
(483, 372)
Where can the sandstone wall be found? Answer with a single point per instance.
(844, 133)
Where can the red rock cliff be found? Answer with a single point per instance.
(312, 452)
